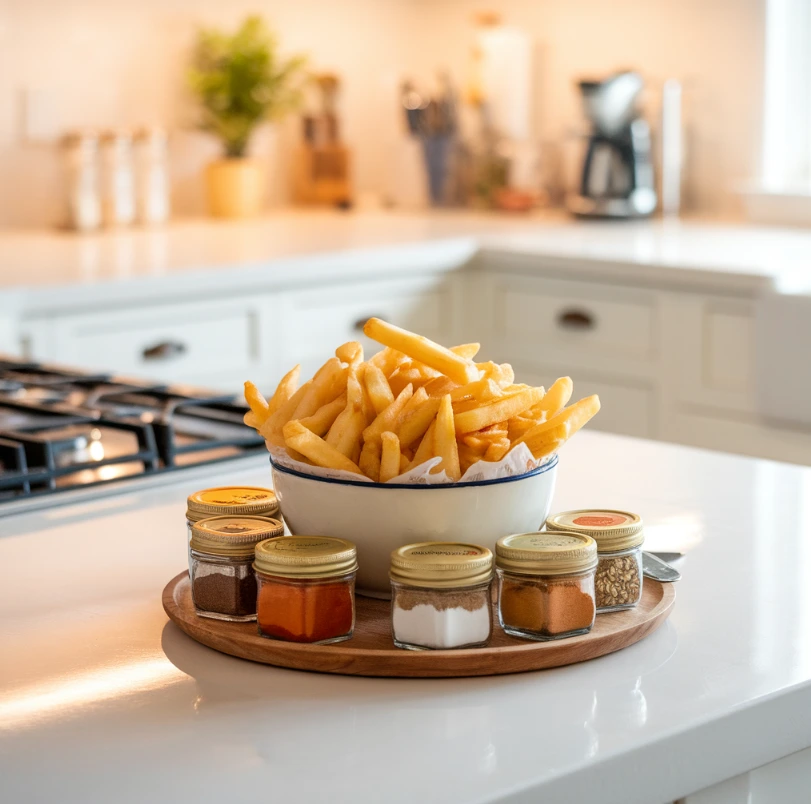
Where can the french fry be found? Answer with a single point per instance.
(468, 456)
(329, 381)
(378, 388)
(320, 422)
(497, 449)
(498, 411)
(502, 374)
(445, 440)
(256, 402)
(416, 421)
(440, 386)
(556, 398)
(354, 389)
(518, 425)
(467, 350)
(426, 447)
(411, 373)
(271, 430)
(284, 390)
(387, 419)
(345, 433)
(404, 462)
(390, 456)
(299, 438)
(351, 353)
(545, 438)
(433, 355)
(482, 390)
(417, 398)
(387, 360)
(250, 419)
(369, 460)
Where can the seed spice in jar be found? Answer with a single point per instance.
(619, 536)
(546, 584)
(441, 596)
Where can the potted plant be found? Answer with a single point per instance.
(241, 82)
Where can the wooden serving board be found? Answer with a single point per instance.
(371, 652)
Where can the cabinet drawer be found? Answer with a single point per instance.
(574, 323)
(316, 322)
(628, 409)
(179, 343)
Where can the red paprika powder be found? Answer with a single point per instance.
(306, 588)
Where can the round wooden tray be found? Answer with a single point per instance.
(371, 652)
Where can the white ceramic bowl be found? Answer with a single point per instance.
(379, 517)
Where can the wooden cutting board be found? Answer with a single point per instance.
(371, 652)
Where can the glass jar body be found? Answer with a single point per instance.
(618, 582)
(313, 610)
(223, 588)
(545, 607)
(440, 619)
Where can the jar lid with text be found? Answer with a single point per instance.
(612, 530)
(441, 565)
(234, 536)
(306, 557)
(546, 553)
(222, 500)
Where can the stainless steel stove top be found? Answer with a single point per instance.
(62, 429)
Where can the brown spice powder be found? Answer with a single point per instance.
(441, 600)
(547, 606)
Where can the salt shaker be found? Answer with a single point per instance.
(81, 155)
(118, 181)
(152, 176)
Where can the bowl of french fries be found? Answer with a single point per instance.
(420, 442)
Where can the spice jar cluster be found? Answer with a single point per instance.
(550, 583)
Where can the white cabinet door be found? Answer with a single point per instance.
(315, 322)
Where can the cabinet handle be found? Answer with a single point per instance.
(361, 322)
(580, 320)
(166, 350)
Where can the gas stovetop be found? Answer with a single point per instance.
(62, 429)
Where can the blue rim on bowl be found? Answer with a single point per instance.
(544, 467)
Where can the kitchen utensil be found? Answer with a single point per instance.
(379, 518)
(656, 569)
(617, 180)
(371, 651)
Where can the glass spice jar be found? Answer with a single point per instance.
(619, 536)
(546, 584)
(223, 586)
(440, 596)
(306, 589)
(230, 501)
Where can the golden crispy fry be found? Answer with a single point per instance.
(476, 442)
(271, 430)
(320, 422)
(346, 431)
(468, 456)
(387, 419)
(284, 390)
(378, 388)
(351, 353)
(354, 390)
(387, 360)
(495, 430)
(418, 397)
(497, 449)
(369, 460)
(404, 462)
(467, 350)
(407, 452)
(256, 402)
(329, 381)
(433, 355)
(518, 425)
(482, 390)
(557, 397)
(440, 386)
(390, 456)
(498, 411)
(250, 419)
(467, 404)
(299, 438)
(503, 374)
(445, 440)
(545, 438)
(415, 422)
(413, 374)
(426, 447)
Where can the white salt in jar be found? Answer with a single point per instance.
(440, 596)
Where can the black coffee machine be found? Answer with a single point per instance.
(617, 177)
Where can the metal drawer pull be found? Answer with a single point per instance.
(361, 322)
(167, 350)
(576, 319)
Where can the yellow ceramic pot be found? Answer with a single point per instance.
(235, 187)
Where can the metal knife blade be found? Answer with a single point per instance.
(653, 567)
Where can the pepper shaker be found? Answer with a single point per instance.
(81, 157)
(152, 176)
(118, 180)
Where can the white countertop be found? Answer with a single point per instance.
(102, 700)
(294, 247)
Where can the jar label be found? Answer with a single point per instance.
(600, 520)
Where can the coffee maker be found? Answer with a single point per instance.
(617, 179)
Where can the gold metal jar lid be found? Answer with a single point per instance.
(546, 553)
(306, 557)
(234, 536)
(243, 500)
(612, 530)
(441, 565)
